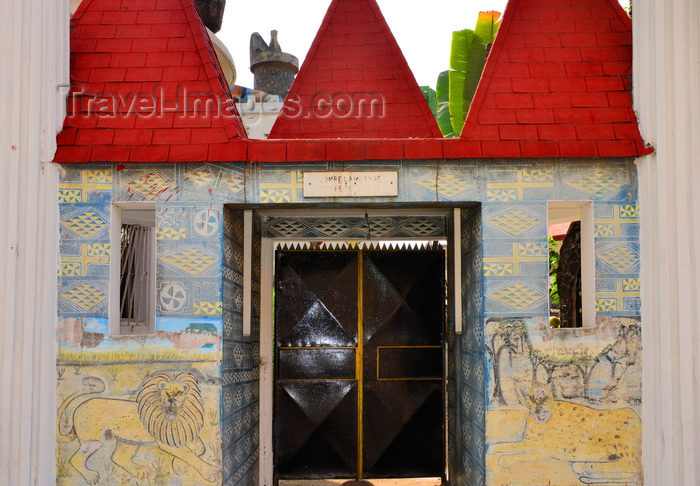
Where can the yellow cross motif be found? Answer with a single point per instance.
(510, 265)
(90, 181)
(612, 301)
(525, 179)
(78, 265)
(282, 191)
(605, 227)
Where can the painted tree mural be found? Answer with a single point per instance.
(508, 336)
(575, 370)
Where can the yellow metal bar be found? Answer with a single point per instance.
(318, 379)
(314, 347)
(360, 365)
(409, 379)
(409, 347)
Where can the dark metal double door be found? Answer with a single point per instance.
(359, 364)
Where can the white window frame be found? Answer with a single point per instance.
(143, 213)
(565, 211)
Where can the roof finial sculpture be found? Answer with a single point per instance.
(274, 70)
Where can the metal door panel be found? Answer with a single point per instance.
(403, 319)
(314, 307)
(349, 409)
(315, 421)
(316, 430)
(403, 434)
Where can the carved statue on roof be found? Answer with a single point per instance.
(274, 70)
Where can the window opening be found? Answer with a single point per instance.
(135, 269)
(571, 264)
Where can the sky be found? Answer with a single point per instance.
(422, 29)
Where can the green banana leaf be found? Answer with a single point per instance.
(460, 58)
(487, 24)
(456, 87)
(430, 97)
(442, 114)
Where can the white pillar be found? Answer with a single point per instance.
(34, 44)
(666, 84)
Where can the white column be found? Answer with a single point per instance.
(666, 81)
(34, 43)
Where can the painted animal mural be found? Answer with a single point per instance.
(603, 446)
(167, 412)
(563, 403)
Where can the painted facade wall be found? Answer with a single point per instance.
(504, 286)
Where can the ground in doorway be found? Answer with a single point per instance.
(374, 482)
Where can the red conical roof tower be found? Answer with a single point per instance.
(146, 86)
(557, 83)
(355, 83)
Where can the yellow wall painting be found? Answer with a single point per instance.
(563, 404)
(113, 431)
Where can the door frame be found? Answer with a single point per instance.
(267, 278)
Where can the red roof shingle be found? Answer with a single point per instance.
(146, 86)
(557, 83)
(353, 63)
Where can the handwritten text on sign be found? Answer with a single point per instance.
(350, 184)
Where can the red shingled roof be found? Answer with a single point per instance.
(557, 83)
(139, 71)
(354, 61)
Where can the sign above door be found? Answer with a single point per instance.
(351, 184)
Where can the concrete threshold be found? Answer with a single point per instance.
(366, 482)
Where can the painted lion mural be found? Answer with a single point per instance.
(167, 412)
(603, 446)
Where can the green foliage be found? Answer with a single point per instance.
(430, 97)
(442, 115)
(456, 87)
(553, 267)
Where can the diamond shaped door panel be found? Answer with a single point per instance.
(359, 388)
(403, 323)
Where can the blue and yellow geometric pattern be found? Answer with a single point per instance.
(171, 234)
(619, 258)
(598, 182)
(510, 265)
(525, 180)
(513, 196)
(514, 221)
(86, 224)
(448, 184)
(622, 222)
(82, 264)
(283, 191)
(517, 296)
(85, 296)
(208, 308)
(192, 260)
(623, 295)
(91, 181)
